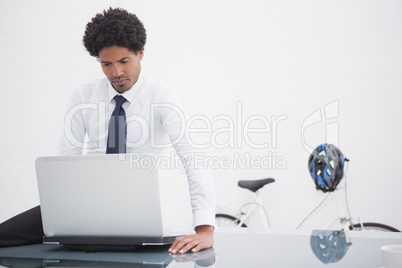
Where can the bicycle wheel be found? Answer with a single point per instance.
(372, 226)
(225, 220)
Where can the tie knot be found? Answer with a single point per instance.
(119, 100)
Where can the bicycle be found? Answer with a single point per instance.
(333, 188)
(241, 217)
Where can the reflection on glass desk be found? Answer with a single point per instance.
(63, 256)
(233, 248)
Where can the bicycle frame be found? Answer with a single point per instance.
(257, 204)
(246, 211)
(244, 214)
(340, 200)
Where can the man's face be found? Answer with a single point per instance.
(121, 66)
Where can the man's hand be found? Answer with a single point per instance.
(203, 238)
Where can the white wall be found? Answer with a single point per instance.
(274, 58)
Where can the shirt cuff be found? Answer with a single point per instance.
(204, 217)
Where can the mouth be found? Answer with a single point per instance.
(120, 82)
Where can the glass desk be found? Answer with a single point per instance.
(233, 248)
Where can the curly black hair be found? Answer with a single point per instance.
(115, 26)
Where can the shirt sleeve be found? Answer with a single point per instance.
(200, 179)
(73, 134)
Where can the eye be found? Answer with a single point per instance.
(124, 61)
(105, 64)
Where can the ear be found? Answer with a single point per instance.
(140, 54)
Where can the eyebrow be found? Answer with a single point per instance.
(120, 60)
(123, 59)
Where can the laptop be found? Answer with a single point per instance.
(101, 200)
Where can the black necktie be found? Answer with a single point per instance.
(116, 142)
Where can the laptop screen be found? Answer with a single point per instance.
(99, 195)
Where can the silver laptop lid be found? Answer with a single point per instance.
(99, 195)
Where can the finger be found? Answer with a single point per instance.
(173, 246)
(179, 243)
(189, 245)
(198, 247)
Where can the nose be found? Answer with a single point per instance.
(117, 70)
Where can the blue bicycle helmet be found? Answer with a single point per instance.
(329, 246)
(326, 165)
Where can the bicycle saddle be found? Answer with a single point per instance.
(255, 185)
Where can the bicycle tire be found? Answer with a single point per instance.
(226, 220)
(373, 226)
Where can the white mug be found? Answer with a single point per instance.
(391, 256)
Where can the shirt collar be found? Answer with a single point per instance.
(129, 94)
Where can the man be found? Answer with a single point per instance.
(152, 119)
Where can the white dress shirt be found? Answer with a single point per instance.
(155, 121)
